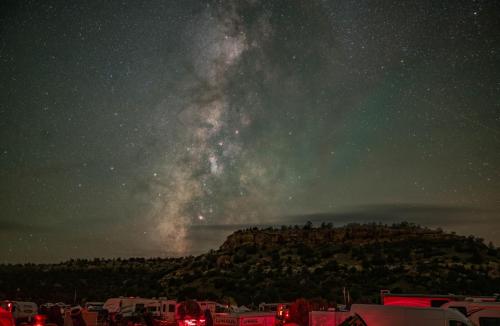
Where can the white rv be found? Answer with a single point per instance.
(159, 308)
(129, 307)
(379, 315)
(480, 313)
(405, 316)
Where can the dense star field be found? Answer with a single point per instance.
(156, 128)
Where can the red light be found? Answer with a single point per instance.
(410, 301)
(40, 320)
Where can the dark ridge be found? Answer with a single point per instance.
(267, 265)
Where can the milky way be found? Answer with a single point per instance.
(207, 132)
(156, 129)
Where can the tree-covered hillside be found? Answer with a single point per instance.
(256, 265)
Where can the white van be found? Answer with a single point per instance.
(486, 317)
(370, 315)
(480, 313)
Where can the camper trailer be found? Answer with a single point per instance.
(161, 309)
(133, 306)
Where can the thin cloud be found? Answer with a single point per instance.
(16, 226)
(418, 213)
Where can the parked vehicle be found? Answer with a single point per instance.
(129, 307)
(167, 311)
(480, 313)
(190, 313)
(94, 306)
(22, 311)
(76, 315)
(487, 317)
(211, 313)
(162, 311)
(379, 315)
(281, 310)
(257, 318)
(274, 307)
(6, 318)
(216, 307)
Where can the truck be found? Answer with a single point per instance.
(379, 315)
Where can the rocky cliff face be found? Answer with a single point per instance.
(312, 237)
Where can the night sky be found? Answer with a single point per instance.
(155, 128)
